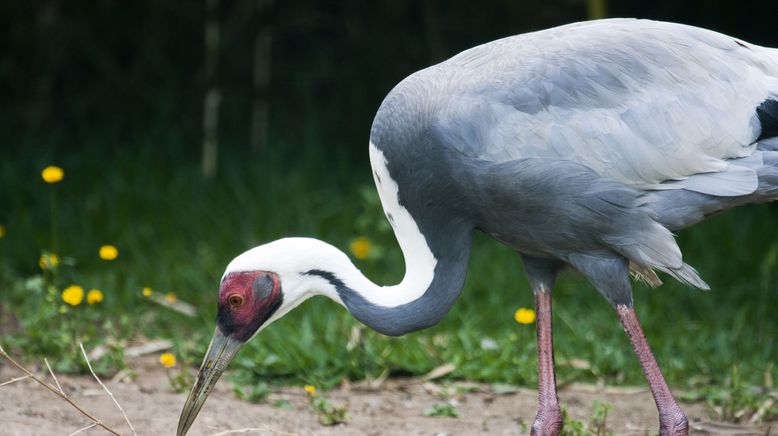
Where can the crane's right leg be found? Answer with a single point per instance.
(549, 418)
(541, 274)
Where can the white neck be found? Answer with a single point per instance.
(419, 261)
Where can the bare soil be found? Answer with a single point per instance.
(395, 408)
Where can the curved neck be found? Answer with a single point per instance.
(413, 304)
(436, 247)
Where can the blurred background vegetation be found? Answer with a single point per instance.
(191, 131)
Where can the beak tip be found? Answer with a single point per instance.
(184, 423)
(220, 352)
(182, 427)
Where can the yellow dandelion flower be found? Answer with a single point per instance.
(108, 252)
(48, 261)
(147, 291)
(2, 231)
(310, 389)
(524, 315)
(94, 296)
(171, 297)
(52, 174)
(360, 247)
(73, 295)
(168, 360)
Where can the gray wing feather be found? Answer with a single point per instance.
(640, 102)
(633, 230)
(593, 216)
(733, 181)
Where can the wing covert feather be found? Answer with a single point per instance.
(640, 102)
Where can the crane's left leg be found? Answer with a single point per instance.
(672, 421)
(541, 274)
(611, 277)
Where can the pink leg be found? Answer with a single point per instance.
(672, 421)
(549, 418)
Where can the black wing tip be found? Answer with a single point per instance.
(767, 114)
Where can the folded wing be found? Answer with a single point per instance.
(639, 102)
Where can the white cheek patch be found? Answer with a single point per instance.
(419, 261)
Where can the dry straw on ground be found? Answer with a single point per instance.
(57, 390)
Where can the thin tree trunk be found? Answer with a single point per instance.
(596, 9)
(212, 94)
(260, 106)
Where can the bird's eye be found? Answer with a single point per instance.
(235, 300)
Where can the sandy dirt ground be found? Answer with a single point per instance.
(396, 408)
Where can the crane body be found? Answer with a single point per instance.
(583, 146)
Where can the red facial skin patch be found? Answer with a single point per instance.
(246, 300)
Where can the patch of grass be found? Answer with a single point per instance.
(283, 404)
(597, 425)
(327, 412)
(572, 427)
(442, 410)
(597, 422)
(737, 400)
(180, 381)
(253, 394)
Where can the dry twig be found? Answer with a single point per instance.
(83, 429)
(46, 361)
(126, 419)
(14, 380)
(56, 391)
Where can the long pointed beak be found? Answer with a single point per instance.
(219, 354)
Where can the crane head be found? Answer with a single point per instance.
(259, 287)
(247, 299)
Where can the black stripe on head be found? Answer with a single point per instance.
(767, 113)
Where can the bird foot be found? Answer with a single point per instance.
(674, 425)
(548, 422)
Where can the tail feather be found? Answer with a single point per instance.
(678, 209)
(654, 248)
(687, 274)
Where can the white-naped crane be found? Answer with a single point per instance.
(582, 146)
